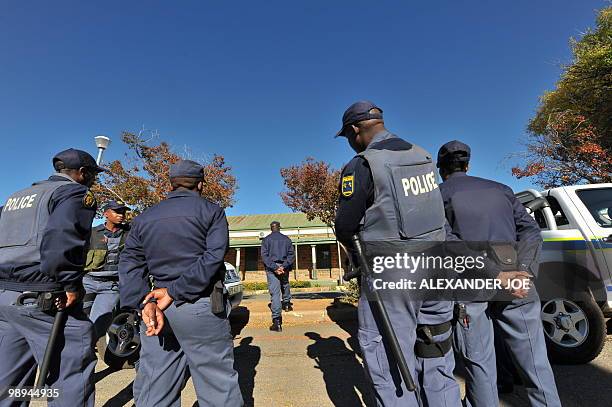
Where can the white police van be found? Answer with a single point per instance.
(575, 275)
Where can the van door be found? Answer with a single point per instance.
(595, 207)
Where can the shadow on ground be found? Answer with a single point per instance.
(343, 373)
(246, 359)
(121, 398)
(239, 318)
(317, 295)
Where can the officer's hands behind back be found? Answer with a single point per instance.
(153, 319)
(161, 296)
(518, 292)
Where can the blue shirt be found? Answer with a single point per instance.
(277, 250)
(481, 210)
(181, 243)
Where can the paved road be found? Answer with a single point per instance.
(315, 365)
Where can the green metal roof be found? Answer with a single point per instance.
(246, 242)
(262, 222)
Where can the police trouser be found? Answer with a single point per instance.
(380, 365)
(278, 286)
(435, 361)
(194, 342)
(521, 329)
(101, 296)
(24, 332)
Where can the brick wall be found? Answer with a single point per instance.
(304, 261)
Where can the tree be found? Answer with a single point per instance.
(142, 178)
(312, 187)
(570, 137)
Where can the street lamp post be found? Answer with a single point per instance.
(102, 142)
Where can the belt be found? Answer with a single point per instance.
(103, 278)
(28, 286)
(45, 301)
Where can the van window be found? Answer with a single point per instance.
(599, 203)
(539, 218)
(557, 211)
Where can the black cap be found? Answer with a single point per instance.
(74, 159)
(358, 112)
(186, 168)
(114, 205)
(275, 222)
(453, 151)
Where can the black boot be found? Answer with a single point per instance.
(287, 306)
(276, 325)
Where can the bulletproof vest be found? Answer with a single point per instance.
(103, 254)
(112, 256)
(23, 221)
(407, 200)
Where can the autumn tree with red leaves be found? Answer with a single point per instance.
(312, 187)
(570, 137)
(142, 178)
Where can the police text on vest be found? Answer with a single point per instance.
(419, 184)
(19, 202)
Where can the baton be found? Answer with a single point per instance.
(58, 325)
(354, 272)
(389, 333)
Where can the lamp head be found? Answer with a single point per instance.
(102, 142)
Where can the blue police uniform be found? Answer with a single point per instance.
(367, 207)
(480, 210)
(102, 279)
(102, 284)
(44, 230)
(277, 250)
(181, 243)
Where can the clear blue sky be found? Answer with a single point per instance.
(265, 83)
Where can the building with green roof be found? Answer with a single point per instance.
(318, 254)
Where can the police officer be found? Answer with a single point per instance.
(369, 206)
(278, 257)
(180, 243)
(102, 279)
(480, 210)
(44, 230)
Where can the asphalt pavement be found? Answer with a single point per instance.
(315, 362)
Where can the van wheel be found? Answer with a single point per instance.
(113, 361)
(575, 330)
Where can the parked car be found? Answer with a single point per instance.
(575, 275)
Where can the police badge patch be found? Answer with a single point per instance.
(89, 200)
(348, 185)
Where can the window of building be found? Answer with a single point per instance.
(251, 255)
(323, 256)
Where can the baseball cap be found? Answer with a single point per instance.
(453, 151)
(186, 168)
(357, 112)
(75, 159)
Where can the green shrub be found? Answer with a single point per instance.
(262, 285)
(351, 291)
(255, 285)
(300, 284)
